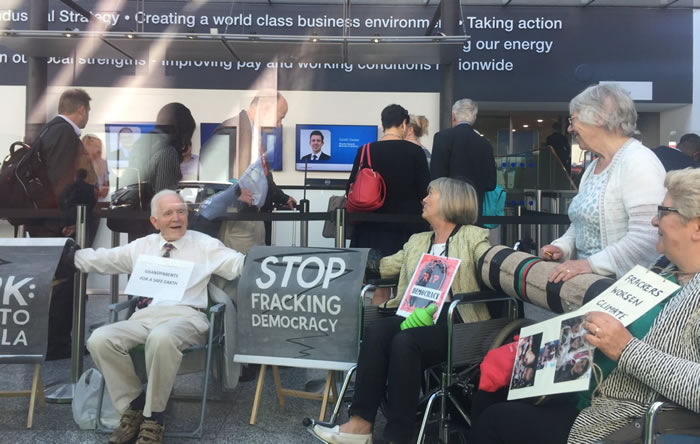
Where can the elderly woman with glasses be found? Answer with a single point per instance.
(656, 357)
(609, 232)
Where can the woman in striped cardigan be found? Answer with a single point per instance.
(659, 361)
(666, 361)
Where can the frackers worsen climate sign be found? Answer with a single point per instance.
(300, 307)
(26, 270)
(514, 54)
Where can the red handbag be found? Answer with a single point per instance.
(368, 191)
(497, 367)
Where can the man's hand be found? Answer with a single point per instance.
(421, 317)
(291, 203)
(68, 231)
(246, 196)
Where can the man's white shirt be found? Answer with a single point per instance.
(209, 256)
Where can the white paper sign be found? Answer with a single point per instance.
(552, 356)
(160, 278)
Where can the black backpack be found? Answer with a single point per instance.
(24, 179)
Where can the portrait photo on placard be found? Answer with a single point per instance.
(526, 360)
(548, 355)
(575, 356)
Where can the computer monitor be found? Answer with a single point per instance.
(330, 147)
(217, 152)
(120, 140)
(271, 139)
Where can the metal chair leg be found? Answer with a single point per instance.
(311, 422)
(426, 415)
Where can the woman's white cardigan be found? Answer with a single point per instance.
(628, 200)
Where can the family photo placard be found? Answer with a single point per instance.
(553, 357)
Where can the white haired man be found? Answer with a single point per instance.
(462, 153)
(165, 327)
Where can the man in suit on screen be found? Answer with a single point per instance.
(316, 144)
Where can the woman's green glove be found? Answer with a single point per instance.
(421, 317)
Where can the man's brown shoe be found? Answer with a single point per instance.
(128, 427)
(151, 432)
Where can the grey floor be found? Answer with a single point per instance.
(226, 420)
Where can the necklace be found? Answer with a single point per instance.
(393, 135)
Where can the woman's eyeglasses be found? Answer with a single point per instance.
(661, 211)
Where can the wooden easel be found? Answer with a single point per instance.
(37, 390)
(282, 392)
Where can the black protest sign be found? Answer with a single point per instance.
(300, 307)
(26, 271)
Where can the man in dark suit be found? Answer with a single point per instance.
(687, 155)
(316, 144)
(673, 159)
(61, 148)
(690, 146)
(461, 152)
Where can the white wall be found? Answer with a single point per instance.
(213, 106)
(12, 99)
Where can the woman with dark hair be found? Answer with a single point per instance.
(159, 160)
(405, 171)
(155, 158)
(572, 370)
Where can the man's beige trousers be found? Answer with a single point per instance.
(166, 331)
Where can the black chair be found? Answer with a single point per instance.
(468, 344)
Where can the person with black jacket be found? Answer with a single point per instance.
(404, 169)
(686, 155)
(155, 158)
(462, 153)
(60, 147)
(78, 193)
(562, 148)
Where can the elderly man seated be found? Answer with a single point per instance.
(165, 327)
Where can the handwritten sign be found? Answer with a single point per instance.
(159, 278)
(553, 357)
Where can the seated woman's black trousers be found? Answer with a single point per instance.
(392, 359)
